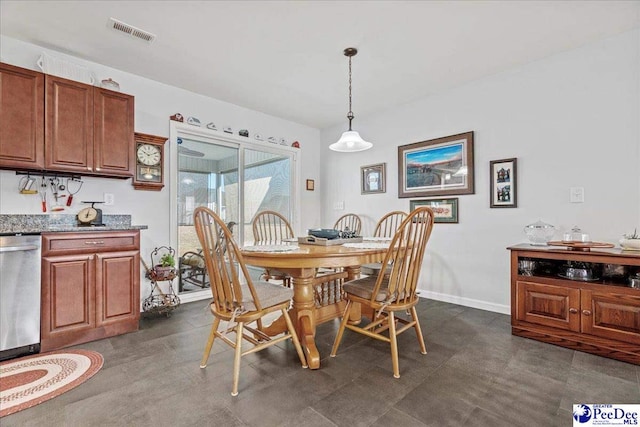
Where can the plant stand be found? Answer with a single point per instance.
(158, 301)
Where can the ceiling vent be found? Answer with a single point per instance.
(130, 30)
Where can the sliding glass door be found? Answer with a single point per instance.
(201, 183)
(267, 186)
(233, 179)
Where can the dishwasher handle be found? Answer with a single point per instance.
(19, 248)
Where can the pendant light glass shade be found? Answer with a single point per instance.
(350, 141)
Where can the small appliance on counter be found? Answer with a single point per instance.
(90, 217)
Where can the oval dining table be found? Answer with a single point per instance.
(302, 264)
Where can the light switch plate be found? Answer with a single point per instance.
(108, 199)
(338, 206)
(576, 195)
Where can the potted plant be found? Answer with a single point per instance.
(165, 269)
(631, 242)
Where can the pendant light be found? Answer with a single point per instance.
(350, 141)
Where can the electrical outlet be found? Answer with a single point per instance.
(109, 199)
(576, 195)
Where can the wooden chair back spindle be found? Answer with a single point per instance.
(389, 223)
(351, 221)
(270, 227)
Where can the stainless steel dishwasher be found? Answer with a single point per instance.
(19, 295)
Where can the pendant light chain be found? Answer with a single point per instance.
(350, 141)
(350, 114)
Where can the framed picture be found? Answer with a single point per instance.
(504, 189)
(437, 167)
(372, 178)
(310, 185)
(444, 210)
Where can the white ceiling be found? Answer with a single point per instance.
(285, 58)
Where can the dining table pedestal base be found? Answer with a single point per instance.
(317, 297)
(307, 312)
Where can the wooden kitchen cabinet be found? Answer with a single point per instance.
(90, 286)
(54, 124)
(21, 118)
(88, 130)
(69, 125)
(600, 315)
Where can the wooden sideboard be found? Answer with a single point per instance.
(599, 314)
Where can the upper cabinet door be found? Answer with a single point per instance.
(21, 118)
(69, 125)
(114, 144)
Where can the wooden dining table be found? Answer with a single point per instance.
(302, 264)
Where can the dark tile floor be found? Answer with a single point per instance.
(475, 374)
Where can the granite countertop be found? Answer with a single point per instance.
(41, 223)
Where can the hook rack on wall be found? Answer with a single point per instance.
(50, 174)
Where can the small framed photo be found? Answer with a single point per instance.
(311, 185)
(504, 189)
(444, 210)
(372, 178)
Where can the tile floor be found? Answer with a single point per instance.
(475, 374)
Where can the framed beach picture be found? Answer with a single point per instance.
(444, 210)
(372, 178)
(437, 167)
(504, 189)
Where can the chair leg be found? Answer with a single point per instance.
(236, 358)
(294, 338)
(343, 325)
(394, 344)
(414, 315)
(207, 348)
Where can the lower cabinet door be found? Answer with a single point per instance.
(117, 292)
(68, 286)
(548, 305)
(613, 316)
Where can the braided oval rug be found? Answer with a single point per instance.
(28, 381)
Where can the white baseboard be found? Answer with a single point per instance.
(466, 302)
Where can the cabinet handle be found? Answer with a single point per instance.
(97, 169)
(573, 310)
(95, 242)
(586, 312)
(88, 168)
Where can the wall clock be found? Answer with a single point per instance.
(149, 162)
